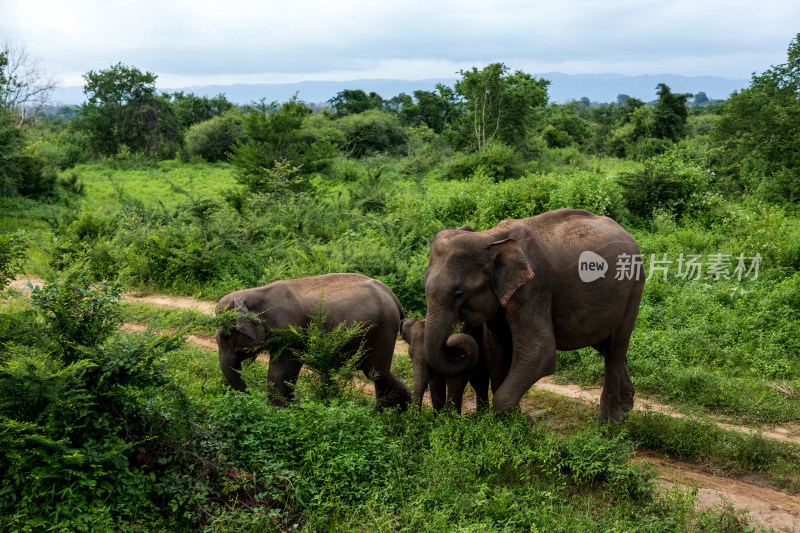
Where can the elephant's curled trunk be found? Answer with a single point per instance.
(460, 355)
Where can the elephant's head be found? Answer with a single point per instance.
(462, 352)
(471, 275)
(245, 321)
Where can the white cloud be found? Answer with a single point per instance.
(278, 41)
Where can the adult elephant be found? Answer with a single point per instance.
(281, 304)
(446, 391)
(540, 284)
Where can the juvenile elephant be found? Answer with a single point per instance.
(445, 390)
(281, 304)
(540, 284)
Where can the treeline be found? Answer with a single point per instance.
(748, 137)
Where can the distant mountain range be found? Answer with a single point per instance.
(601, 88)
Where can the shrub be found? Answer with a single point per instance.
(12, 252)
(372, 132)
(668, 182)
(23, 171)
(599, 194)
(215, 137)
(321, 349)
(69, 424)
(496, 161)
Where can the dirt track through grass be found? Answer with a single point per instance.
(767, 506)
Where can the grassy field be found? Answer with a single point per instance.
(224, 462)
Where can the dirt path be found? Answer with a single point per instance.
(767, 506)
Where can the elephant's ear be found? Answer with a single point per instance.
(245, 322)
(466, 228)
(405, 329)
(511, 269)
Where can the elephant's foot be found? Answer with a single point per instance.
(393, 398)
(614, 413)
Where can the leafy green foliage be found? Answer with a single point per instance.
(496, 161)
(12, 253)
(214, 138)
(191, 109)
(74, 404)
(757, 132)
(670, 114)
(499, 104)
(371, 132)
(323, 350)
(670, 183)
(22, 170)
(273, 133)
(122, 109)
(355, 101)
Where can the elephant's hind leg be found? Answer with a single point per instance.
(377, 366)
(617, 396)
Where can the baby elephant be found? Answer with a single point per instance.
(445, 391)
(281, 304)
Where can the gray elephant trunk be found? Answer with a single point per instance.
(455, 357)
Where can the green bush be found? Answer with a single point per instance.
(599, 194)
(372, 132)
(215, 137)
(668, 182)
(497, 162)
(71, 418)
(12, 253)
(23, 171)
(339, 455)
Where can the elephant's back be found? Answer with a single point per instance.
(343, 297)
(569, 232)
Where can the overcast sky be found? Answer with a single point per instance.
(197, 42)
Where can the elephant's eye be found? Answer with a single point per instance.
(458, 294)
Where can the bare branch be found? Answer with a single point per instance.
(26, 87)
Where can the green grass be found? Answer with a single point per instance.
(206, 456)
(165, 184)
(189, 320)
(695, 440)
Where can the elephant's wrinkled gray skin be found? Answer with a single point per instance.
(445, 390)
(347, 298)
(521, 278)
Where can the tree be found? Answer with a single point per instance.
(670, 114)
(21, 171)
(757, 132)
(192, 109)
(122, 109)
(353, 101)
(701, 98)
(274, 144)
(25, 88)
(372, 131)
(500, 105)
(435, 110)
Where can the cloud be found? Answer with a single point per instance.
(311, 39)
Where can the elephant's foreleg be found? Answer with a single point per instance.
(533, 358)
(480, 383)
(282, 376)
(230, 362)
(455, 391)
(438, 387)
